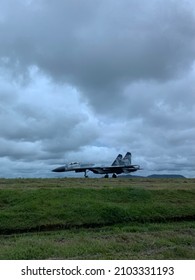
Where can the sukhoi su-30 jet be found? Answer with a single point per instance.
(120, 165)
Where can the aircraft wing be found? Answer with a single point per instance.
(114, 169)
(106, 170)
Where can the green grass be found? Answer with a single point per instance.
(97, 219)
(69, 207)
(124, 241)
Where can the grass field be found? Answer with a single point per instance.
(97, 218)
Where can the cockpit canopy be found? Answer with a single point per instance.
(74, 163)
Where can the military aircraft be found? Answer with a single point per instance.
(120, 165)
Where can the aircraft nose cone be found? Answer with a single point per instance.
(59, 169)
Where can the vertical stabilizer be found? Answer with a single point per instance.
(118, 160)
(127, 159)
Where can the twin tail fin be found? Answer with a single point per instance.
(120, 160)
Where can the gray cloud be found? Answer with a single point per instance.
(98, 77)
(100, 44)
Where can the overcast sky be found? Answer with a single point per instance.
(86, 80)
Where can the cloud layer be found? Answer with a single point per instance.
(86, 80)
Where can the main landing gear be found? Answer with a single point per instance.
(113, 176)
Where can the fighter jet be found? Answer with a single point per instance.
(120, 165)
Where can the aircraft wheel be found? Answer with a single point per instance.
(106, 176)
(114, 175)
